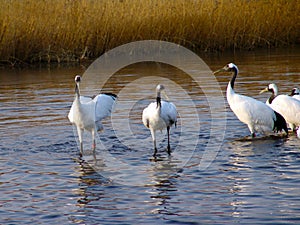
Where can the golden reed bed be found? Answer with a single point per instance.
(67, 30)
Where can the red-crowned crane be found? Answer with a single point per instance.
(286, 105)
(158, 116)
(259, 117)
(87, 112)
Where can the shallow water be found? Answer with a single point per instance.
(43, 179)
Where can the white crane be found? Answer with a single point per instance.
(287, 106)
(258, 116)
(87, 112)
(295, 93)
(160, 115)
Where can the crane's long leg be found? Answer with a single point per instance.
(168, 148)
(80, 135)
(94, 145)
(155, 149)
(94, 141)
(154, 141)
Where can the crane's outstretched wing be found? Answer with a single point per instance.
(104, 105)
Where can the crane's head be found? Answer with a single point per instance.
(77, 79)
(271, 88)
(161, 89)
(230, 67)
(295, 91)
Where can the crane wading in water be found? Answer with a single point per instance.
(87, 112)
(160, 115)
(287, 106)
(259, 117)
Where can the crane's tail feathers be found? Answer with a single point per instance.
(280, 123)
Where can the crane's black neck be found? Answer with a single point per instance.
(270, 100)
(158, 102)
(235, 73)
(77, 93)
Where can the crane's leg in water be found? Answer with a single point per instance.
(168, 148)
(154, 142)
(80, 136)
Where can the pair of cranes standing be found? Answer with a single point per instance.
(86, 113)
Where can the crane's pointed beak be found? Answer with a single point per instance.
(165, 95)
(220, 70)
(264, 90)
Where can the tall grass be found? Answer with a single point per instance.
(67, 30)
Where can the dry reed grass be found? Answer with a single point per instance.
(67, 30)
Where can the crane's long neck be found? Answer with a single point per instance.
(77, 94)
(235, 73)
(158, 102)
(273, 96)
